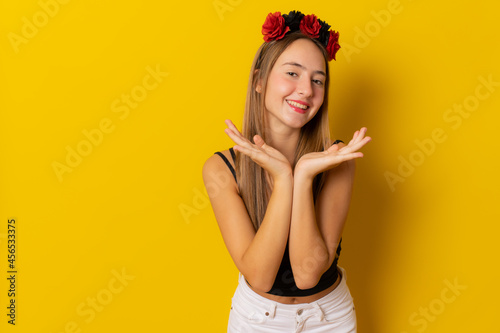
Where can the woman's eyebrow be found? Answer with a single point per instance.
(300, 66)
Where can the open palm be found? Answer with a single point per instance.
(269, 158)
(314, 163)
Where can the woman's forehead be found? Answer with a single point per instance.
(304, 53)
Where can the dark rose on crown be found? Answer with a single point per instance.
(277, 26)
(324, 33)
(293, 19)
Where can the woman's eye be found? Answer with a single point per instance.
(291, 73)
(318, 82)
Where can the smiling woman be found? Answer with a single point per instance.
(282, 217)
(296, 82)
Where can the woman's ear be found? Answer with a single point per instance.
(258, 85)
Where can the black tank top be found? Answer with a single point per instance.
(284, 284)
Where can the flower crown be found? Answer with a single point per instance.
(277, 26)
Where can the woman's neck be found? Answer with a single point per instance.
(284, 141)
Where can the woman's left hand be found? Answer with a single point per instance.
(314, 163)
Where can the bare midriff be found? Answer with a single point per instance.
(298, 299)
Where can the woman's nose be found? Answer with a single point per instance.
(304, 87)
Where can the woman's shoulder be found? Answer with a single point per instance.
(216, 168)
(214, 161)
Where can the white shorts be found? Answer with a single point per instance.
(334, 312)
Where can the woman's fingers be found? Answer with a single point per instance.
(261, 153)
(235, 130)
(359, 135)
(351, 150)
(258, 140)
(351, 156)
(255, 154)
(355, 146)
(235, 135)
(263, 145)
(339, 158)
(244, 150)
(353, 137)
(253, 150)
(332, 148)
(230, 124)
(357, 138)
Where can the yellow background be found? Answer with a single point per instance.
(136, 203)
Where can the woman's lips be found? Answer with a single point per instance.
(297, 109)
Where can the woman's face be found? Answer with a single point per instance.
(295, 87)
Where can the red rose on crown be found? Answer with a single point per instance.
(277, 26)
(310, 26)
(333, 44)
(274, 28)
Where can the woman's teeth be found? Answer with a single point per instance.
(298, 105)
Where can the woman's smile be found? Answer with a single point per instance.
(300, 107)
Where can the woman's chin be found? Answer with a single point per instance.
(296, 120)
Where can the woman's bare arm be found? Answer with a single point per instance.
(315, 231)
(257, 255)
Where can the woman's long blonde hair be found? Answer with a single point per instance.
(314, 136)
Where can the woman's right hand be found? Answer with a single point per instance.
(270, 159)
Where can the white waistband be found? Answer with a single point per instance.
(337, 295)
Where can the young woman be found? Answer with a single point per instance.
(281, 194)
